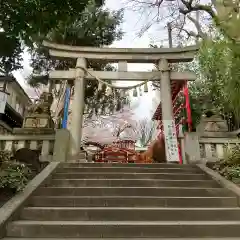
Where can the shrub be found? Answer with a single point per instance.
(5, 156)
(232, 173)
(13, 175)
(229, 166)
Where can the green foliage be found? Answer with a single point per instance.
(71, 22)
(10, 53)
(29, 19)
(227, 18)
(5, 156)
(214, 57)
(217, 86)
(233, 85)
(13, 175)
(197, 105)
(229, 166)
(93, 27)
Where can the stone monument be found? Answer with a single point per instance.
(38, 119)
(212, 126)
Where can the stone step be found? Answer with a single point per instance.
(132, 183)
(115, 175)
(133, 201)
(127, 170)
(133, 191)
(129, 214)
(123, 229)
(128, 165)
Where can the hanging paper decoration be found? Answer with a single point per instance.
(126, 93)
(100, 86)
(135, 94)
(122, 93)
(86, 109)
(146, 87)
(109, 91)
(115, 99)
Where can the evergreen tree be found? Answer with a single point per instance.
(95, 26)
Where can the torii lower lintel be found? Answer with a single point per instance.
(121, 76)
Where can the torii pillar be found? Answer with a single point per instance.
(169, 128)
(78, 107)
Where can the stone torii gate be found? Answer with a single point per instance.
(122, 56)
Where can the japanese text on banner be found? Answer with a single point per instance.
(171, 141)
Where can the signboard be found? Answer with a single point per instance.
(171, 144)
(3, 101)
(36, 122)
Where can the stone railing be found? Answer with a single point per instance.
(43, 143)
(201, 149)
(53, 147)
(214, 148)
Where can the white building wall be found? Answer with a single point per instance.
(16, 99)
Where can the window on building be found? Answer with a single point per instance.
(19, 107)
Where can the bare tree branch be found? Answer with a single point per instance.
(200, 33)
(223, 13)
(188, 7)
(175, 11)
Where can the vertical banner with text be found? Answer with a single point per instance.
(3, 100)
(171, 144)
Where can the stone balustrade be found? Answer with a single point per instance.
(53, 147)
(43, 143)
(215, 148)
(209, 142)
(201, 149)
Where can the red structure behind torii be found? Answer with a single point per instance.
(177, 87)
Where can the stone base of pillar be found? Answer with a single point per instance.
(80, 157)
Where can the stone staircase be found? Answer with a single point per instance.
(164, 201)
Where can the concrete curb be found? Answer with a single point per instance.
(222, 181)
(10, 209)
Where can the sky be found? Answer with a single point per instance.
(132, 24)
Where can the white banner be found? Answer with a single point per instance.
(3, 100)
(171, 144)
